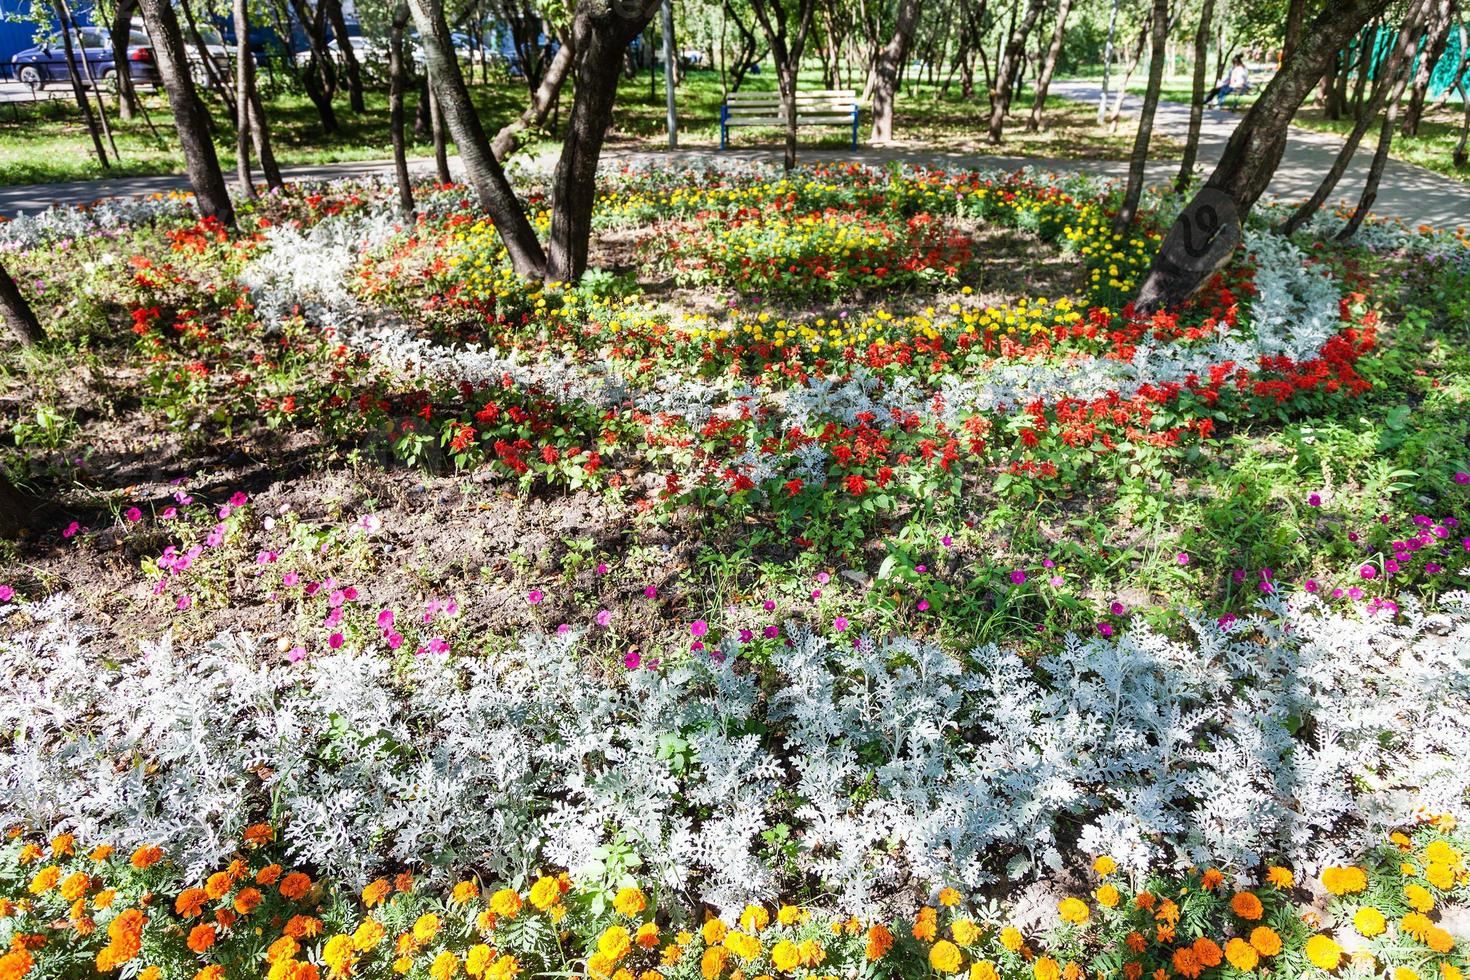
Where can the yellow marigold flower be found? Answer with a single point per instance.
(506, 902)
(983, 970)
(1242, 955)
(600, 966)
(282, 949)
(45, 880)
(337, 954)
(754, 918)
(1439, 852)
(1107, 896)
(712, 963)
(1400, 840)
(463, 892)
(376, 893)
(503, 968)
(1104, 865)
(1323, 952)
(785, 956)
(1073, 910)
(1404, 973)
(1441, 876)
(75, 885)
(713, 931)
(63, 845)
(425, 927)
(964, 931)
(445, 965)
(545, 893)
(1448, 971)
(556, 912)
(743, 945)
(671, 955)
(614, 943)
(949, 898)
(485, 920)
(1369, 921)
(104, 898)
(1265, 940)
(211, 972)
(403, 964)
(812, 952)
(102, 852)
(945, 957)
(880, 941)
(1344, 881)
(790, 915)
(1418, 897)
(1011, 939)
(1416, 924)
(476, 958)
(1439, 939)
(1246, 905)
(629, 901)
(367, 935)
(647, 936)
(1046, 968)
(1408, 870)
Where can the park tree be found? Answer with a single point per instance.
(191, 120)
(320, 77)
(251, 128)
(1049, 65)
(397, 83)
(889, 62)
(122, 20)
(1441, 19)
(1010, 67)
(1197, 96)
(1208, 230)
(19, 318)
(543, 98)
(1138, 159)
(786, 24)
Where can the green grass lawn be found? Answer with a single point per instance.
(48, 141)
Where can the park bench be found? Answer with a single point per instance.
(827, 107)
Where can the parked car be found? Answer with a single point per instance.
(219, 53)
(46, 63)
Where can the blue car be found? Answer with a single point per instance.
(46, 63)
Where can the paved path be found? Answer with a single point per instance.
(1415, 195)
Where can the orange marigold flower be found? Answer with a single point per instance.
(1344, 881)
(880, 941)
(1212, 879)
(1144, 900)
(1135, 941)
(463, 892)
(268, 875)
(1280, 877)
(1186, 964)
(201, 937)
(190, 902)
(102, 852)
(295, 885)
(1242, 955)
(45, 880)
(1265, 940)
(403, 882)
(63, 845)
(376, 892)
(1207, 951)
(1046, 968)
(1246, 905)
(16, 964)
(281, 950)
(247, 901)
(302, 927)
(1132, 971)
(212, 972)
(75, 885)
(259, 833)
(926, 924)
(146, 856)
(218, 885)
(949, 897)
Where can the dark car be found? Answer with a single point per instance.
(47, 62)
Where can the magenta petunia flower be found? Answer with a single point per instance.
(604, 617)
(1368, 571)
(698, 628)
(535, 596)
(1018, 577)
(650, 591)
(133, 514)
(1182, 558)
(632, 659)
(1106, 629)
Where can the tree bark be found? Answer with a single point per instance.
(787, 42)
(1049, 65)
(1197, 99)
(321, 73)
(1366, 53)
(397, 81)
(600, 33)
(1435, 42)
(484, 173)
(127, 94)
(1460, 156)
(1009, 65)
(190, 118)
(244, 79)
(76, 84)
(207, 66)
(1296, 19)
(1207, 231)
(260, 133)
(441, 142)
(349, 54)
(890, 59)
(1138, 159)
(17, 313)
(1393, 76)
(542, 100)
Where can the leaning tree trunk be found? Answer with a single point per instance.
(484, 173)
(17, 313)
(1009, 65)
(397, 82)
(321, 72)
(261, 134)
(1460, 156)
(127, 94)
(599, 36)
(76, 85)
(890, 59)
(349, 54)
(190, 118)
(1197, 101)
(1206, 233)
(1460, 62)
(1138, 159)
(436, 133)
(1436, 41)
(244, 78)
(542, 100)
(1049, 66)
(1393, 77)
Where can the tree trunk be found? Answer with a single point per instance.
(92, 81)
(260, 133)
(1049, 66)
(423, 115)
(207, 66)
(1009, 65)
(1366, 57)
(244, 81)
(1197, 98)
(599, 36)
(542, 100)
(349, 55)
(1460, 155)
(190, 118)
(17, 313)
(1393, 77)
(1138, 159)
(321, 73)
(890, 59)
(1117, 111)
(441, 143)
(786, 49)
(484, 174)
(1296, 19)
(1435, 43)
(127, 94)
(1207, 231)
(76, 84)
(397, 81)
